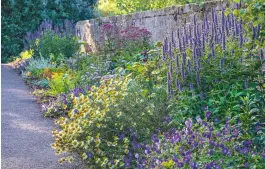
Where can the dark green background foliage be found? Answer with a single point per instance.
(22, 16)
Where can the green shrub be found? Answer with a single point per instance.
(20, 17)
(52, 46)
(121, 7)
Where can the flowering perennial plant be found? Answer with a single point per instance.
(86, 130)
(199, 145)
(210, 49)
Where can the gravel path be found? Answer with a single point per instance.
(26, 134)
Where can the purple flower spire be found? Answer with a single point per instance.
(258, 30)
(178, 85)
(208, 114)
(170, 51)
(169, 83)
(177, 62)
(198, 80)
(172, 39)
(189, 124)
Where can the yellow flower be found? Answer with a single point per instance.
(168, 164)
(75, 143)
(118, 114)
(84, 156)
(70, 159)
(28, 74)
(126, 151)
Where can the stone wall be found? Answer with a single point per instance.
(160, 22)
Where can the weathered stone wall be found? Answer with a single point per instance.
(160, 22)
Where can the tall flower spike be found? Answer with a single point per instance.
(177, 64)
(168, 83)
(172, 39)
(170, 51)
(198, 80)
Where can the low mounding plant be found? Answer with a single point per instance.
(201, 145)
(39, 63)
(101, 123)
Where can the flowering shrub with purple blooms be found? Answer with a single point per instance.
(62, 104)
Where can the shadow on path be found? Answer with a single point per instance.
(26, 134)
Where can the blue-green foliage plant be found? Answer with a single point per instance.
(39, 63)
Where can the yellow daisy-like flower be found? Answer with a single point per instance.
(75, 143)
(84, 156)
(70, 159)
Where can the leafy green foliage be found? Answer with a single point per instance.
(20, 17)
(121, 7)
(55, 47)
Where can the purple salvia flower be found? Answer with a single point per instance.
(172, 39)
(171, 69)
(184, 43)
(177, 62)
(188, 124)
(198, 80)
(203, 42)
(253, 33)
(208, 114)
(180, 46)
(178, 86)
(178, 34)
(170, 51)
(258, 30)
(168, 83)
